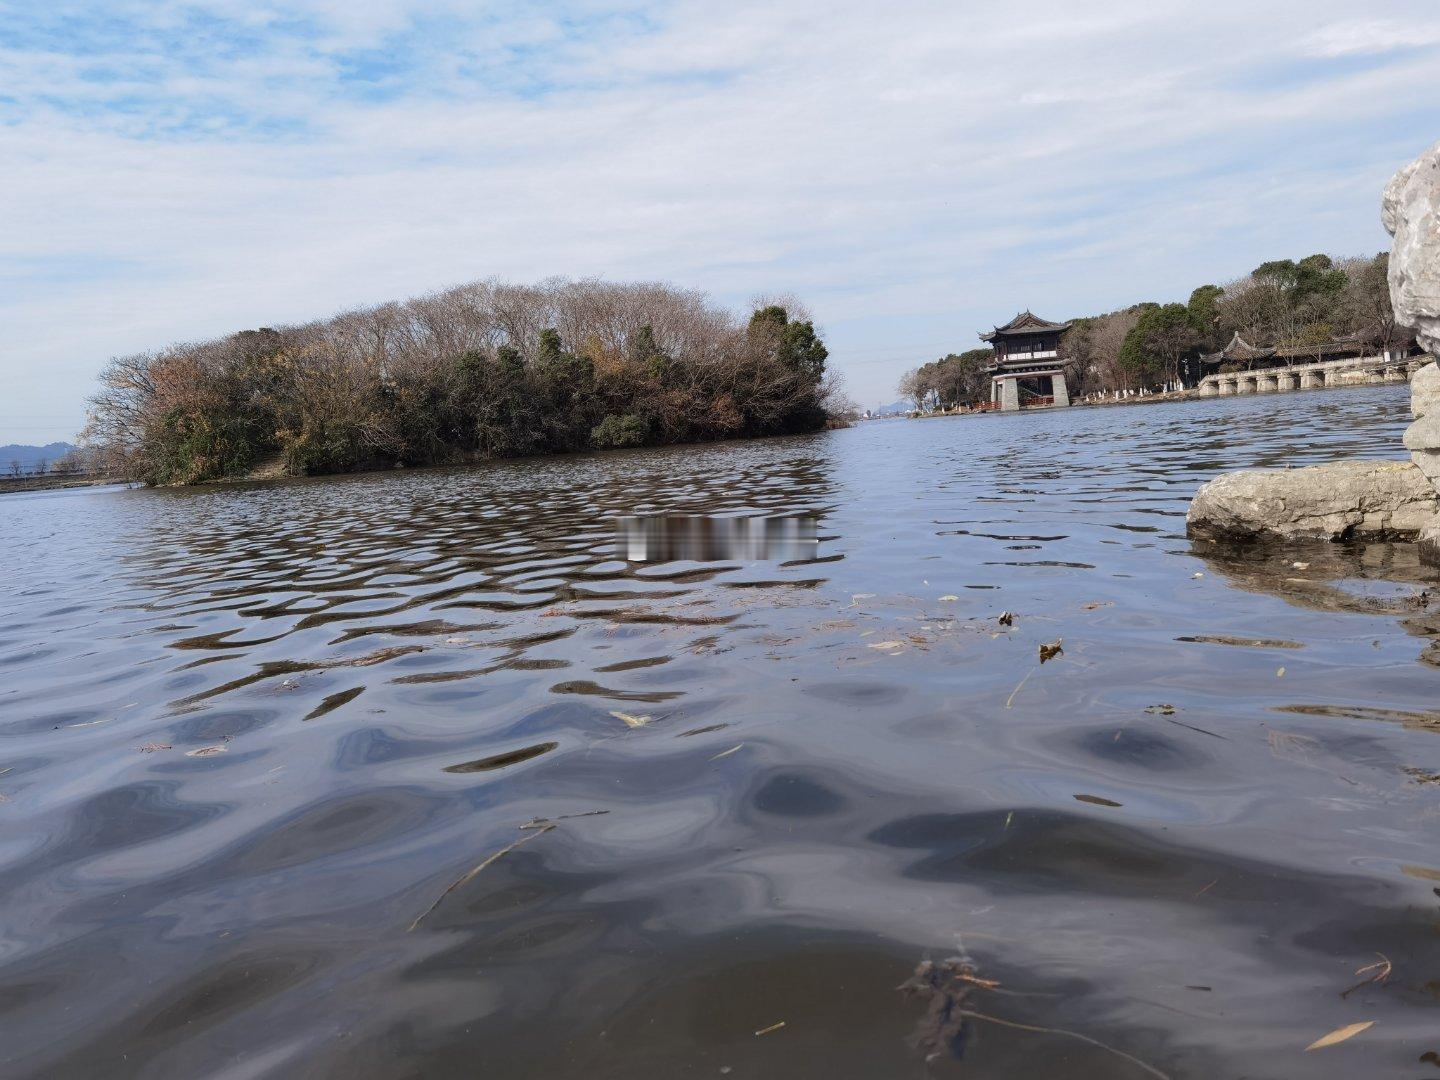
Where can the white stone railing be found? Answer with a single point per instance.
(1328, 373)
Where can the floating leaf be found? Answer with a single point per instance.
(1007, 618)
(631, 721)
(1098, 801)
(1340, 1034)
(1252, 643)
(888, 645)
(502, 761)
(1280, 674)
(949, 596)
(206, 751)
(1050, 651)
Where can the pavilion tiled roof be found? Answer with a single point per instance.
(1240, 349)
(1025, 323)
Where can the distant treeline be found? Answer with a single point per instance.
(1280, 304)
(485, 370)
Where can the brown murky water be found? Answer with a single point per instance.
(259, 745)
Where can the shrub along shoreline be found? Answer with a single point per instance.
(482, 371)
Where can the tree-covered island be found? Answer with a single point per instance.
(486, 370)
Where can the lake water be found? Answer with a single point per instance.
(259, 745)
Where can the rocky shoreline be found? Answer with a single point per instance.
(1380, 500)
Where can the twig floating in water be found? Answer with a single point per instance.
(948, 988)
(1192, 727)
(772, 1027)
(1069, 1034)
(541, 822)
(1381, 968)
(1010, 700)
(470, 874)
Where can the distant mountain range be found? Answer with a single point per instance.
(30, 457)
(894, 407)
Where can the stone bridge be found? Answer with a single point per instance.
(1355, 372)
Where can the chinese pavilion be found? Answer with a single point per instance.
(1240, 351)
(1027, 362)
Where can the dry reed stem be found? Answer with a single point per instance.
(1011, 698)
(470, 875)
(1382, 969)
(1070, 1034)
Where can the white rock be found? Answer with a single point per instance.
(1364, 499)
(1411, 213)
(1425, 391)
(1422, 438)
(1424, 434)
(1410, 210)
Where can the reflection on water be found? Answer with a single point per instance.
(711, 538)
(410, 775)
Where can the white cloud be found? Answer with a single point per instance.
(1360, 37)
(902, 169)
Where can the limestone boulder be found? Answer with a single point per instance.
(1411, 212)
(1430, 543)
(1382, 500)
(1422, 438)
(1425, 391)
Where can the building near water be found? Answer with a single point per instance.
(1241, 355)
(1028, 370)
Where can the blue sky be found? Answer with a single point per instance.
(914, 171)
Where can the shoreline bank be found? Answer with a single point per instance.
(1149, 399)
(20, 485)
